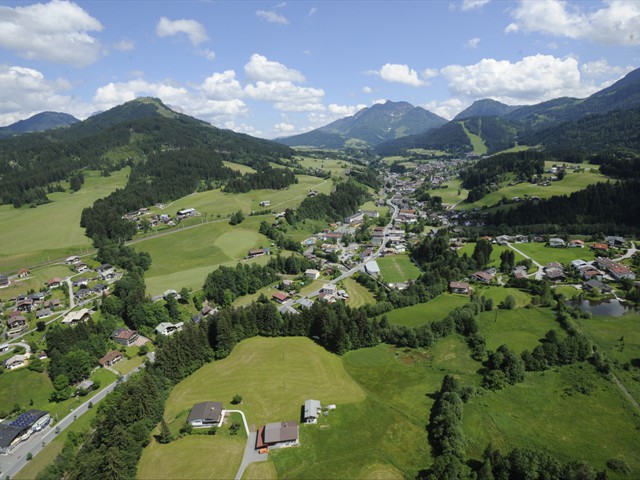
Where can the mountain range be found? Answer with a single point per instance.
(38, 123)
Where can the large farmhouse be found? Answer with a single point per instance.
(278, 434)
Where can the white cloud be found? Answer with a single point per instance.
(208, 54)
(312, 11)
(447, 108)
(344, 110)
(533, 79)
(367, 90)
(259, 68)
(399, 73)
(57, 32)
(617, 22)
(272, 17)
(286, 96)
(332, 113)
(222, 86)
(429, 73)
(25, 92)
(283, 128)
(473, 42)
(473, 4)
(601, 68)
(124, 45)
(193, 29)
(379, 101)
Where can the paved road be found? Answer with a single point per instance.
(251, 455)
(12, 464)
(630, 253)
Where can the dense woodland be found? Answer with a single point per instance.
(342, 202)
(267, 178)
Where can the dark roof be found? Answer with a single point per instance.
(280, 432)
(206, 411)
(110, 357)
(10, 430)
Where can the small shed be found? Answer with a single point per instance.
(312, 410)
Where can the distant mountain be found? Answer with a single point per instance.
(485, 108)
(38, 123)
(370, 126)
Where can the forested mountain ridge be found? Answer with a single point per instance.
(485, 108)
(31, 165)
(38, 123)
(372, 125)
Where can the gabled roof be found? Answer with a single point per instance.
(311, 408)
(206, 411)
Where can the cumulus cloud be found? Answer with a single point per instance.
(272, 17)
(57, 32)
(601, 68)
(222, 86)
(532, 79)
(447, 108)
(473, 42)
(283, 128)
(259, 68)
(286, 96)
(399, 73)
(617, 22)
(193, 29)
(367, 90)
(428, 73)
(25, 92)
(123, 45)
(473, 4)
(332, 113)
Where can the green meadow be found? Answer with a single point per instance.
(422, 313)
(544, 254)
(397, 268)
(358, 295)
(452, 193)
(498, 294)
(495, 252)
(31, 236)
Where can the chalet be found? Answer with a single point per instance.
(125, 337)
(596, 286)
(616, 270)
(556, 242)
(106, 271)
(83, 293)
(600, 246)
(81, 282)
(23, 273)
(205, 415)
(327, 297)
(278, 434)
(614, 241)
(53, 303)
(312, 410)
(14, 432)
(312, 273)
(578, 264)
(4, 348)
(55, 282)
(101, 289)
(110, 358)
(482, 277)
(72, 260)
(590, 273)
(576, 244)
(73, 318)
(17, 361)
(44, 313)
(17, 324)
(555, 274)
(81, 267)
(312, 193)
(258, 252)
(280, 297)
(25, 305)
(166, 328)
(459, 287)
(378, 232)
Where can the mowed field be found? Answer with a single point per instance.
(185, 257)
(30, 236)
(423, 313)
(543, 254)
(358, 295)
(397, 268)
(572, 182)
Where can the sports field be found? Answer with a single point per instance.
(422, 313)
(30, 236)
(397, 269)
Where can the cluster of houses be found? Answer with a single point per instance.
(156, 220)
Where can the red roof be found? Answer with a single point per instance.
(280, 296)
(110, 357)
(600, 246)
(54, 280)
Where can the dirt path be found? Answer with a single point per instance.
(625, 391)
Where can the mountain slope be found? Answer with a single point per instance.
(373, 125)
(485, 108)
(38, 123)
(133, 132)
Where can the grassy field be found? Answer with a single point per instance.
(495, 253)
(272, 375)
(22, 386)
(186, 257)
(520, 328)
(358, 295)
(335, 167)
(239, 167)
(542, 254)
(260, 471)
(572, 182)
(539, 413)
(450, 194)
(498, 294)
(30, 236)
(192, 457)
(397, 269)
(422, 313)
(477, 143)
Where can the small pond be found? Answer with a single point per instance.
(608, 308)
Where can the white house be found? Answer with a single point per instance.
(556, 242)
(166, 328)
(312, 273)
(312, 410)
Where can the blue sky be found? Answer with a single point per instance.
(275, 69)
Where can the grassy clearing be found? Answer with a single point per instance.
(572, 182)
(422, 313)
(542, 254)
(260, 471)
(498, 294)
(477, 143)
(272, 375)
(58, 222)
(358, 295)
(495, 253)
(194, 456)
(22, 386)
(397, 269)
(520, 329)
(453, 193)
(538, 413)
(239, 167)
(335, 167)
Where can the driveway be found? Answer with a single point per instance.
(250, 455)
